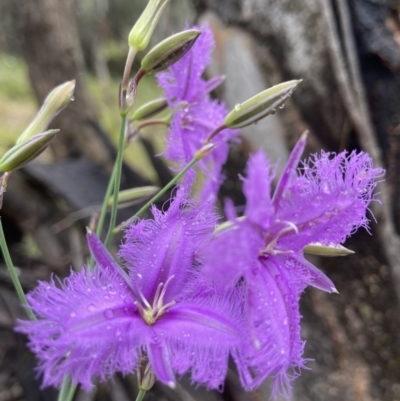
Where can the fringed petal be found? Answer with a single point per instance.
(165, 248)
(87, 328)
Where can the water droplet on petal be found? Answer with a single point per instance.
(109, 314)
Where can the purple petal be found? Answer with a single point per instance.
(183, 81)
(164, 248)
(312, 275)
(87, 328)
(290, 171)
(328, 201)
(275, 346)
(257, 188)
(201, 334)
(231, 254)
(160, 361)
(104, 260)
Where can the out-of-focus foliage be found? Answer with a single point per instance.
(17, 103)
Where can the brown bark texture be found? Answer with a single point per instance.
(347, 54)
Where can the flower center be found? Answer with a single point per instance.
(150, 313)
(270, 247)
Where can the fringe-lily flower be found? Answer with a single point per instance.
(323, 201)
(191, 125)
(106, 320)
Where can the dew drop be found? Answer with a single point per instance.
(109, 314)
(91, 307)
(282, 106)
(73, 314)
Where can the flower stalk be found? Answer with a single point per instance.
(13, 274)
(117, 179)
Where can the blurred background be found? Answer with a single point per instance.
(348, 54)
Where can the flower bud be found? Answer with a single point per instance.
(142, 31)
(55, 101)
(133, 194)
(260, 105)
(327, 250)
(146, 378)
(169, 51)
(150, 109)
(23, 152)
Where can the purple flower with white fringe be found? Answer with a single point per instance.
(323, 201)
(107, 320)
(200, 115)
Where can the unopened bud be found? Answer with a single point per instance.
(169, 51)
(204, 151)
(55, 101)
(260, 105)
(146, 378)
(150, 109)
(133, 194)
(327, 250)
(142, 31)
(23, 152)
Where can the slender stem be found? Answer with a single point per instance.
(141, 395)
(67, 390)
(117, 180)
(71, 392)
(105, 204)
(158, 195)
(13, 274)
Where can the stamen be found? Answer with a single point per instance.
(270, 247)
(151, 313)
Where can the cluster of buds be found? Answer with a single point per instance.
(35, 139)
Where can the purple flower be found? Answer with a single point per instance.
(103, 321)
(191, 125)
(323, 201)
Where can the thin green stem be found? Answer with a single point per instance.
(117, 180)
(105, 204)
(67, 390)
(14, 275)
(141, 395)
(159, 194)
(70, 392)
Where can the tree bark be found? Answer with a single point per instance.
(347, 54)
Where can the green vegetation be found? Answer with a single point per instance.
(18, 106)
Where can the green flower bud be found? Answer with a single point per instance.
(169, 51)
(55, 101)
(23, 152)
(146, 378)
(133, 194)
(327, 250)
(142, 31)
(150, 109)
(260, 105)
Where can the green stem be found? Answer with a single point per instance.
(105, 204)
(159, 194)
(13, 274)
(141, 395)
(67, 390)
(117, 180)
